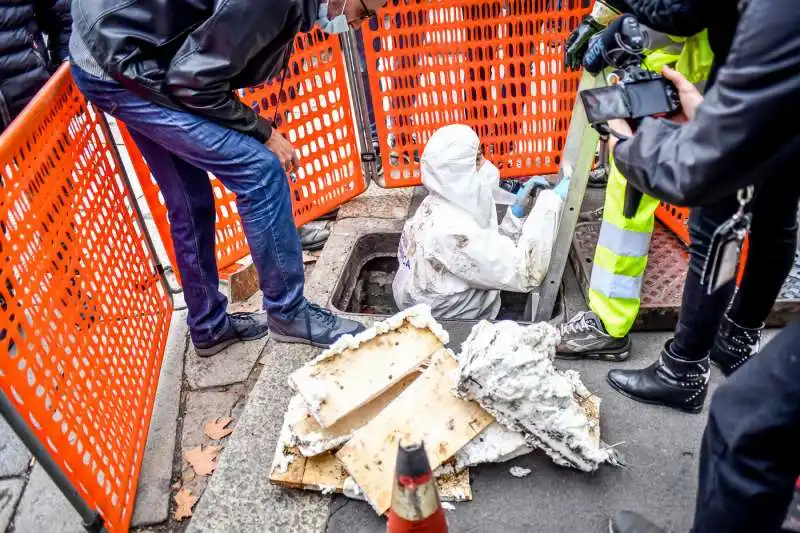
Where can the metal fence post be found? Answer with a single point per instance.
(576, 164)
(92, 520)
(358, 99)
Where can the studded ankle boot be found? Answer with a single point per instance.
(670, 381)
(734, 345)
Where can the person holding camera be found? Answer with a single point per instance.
(169, 71)
(730, 156)
(621, 255)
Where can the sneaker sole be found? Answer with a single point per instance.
(214, 350)
(690, 410)
(298, 340)
(615, 357)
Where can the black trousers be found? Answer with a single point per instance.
(750, 457)
(773, 240)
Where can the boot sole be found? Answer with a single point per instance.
(691, 410)
(298, 340)
(214, 350)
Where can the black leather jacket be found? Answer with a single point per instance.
(26, 60)
(746, 131)
(192, 54)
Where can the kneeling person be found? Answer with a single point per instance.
(454, 256)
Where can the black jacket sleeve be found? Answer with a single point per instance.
(53, 18)
(747, 127)
(682, 18)
(199, 76)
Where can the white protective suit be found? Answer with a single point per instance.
(453, 255)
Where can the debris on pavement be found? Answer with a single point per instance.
(448, 506)
(397, 382)
(519, 471)
(508, 369)
(184, 501)
(357, 369)
(495, 444)
(425, 412)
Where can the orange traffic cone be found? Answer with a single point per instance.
(415, 501)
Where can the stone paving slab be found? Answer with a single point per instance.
(232, 365)
(14, 456)
(202, 406)
(10, 491)
(152, 496)
(44, 509)
(377, 202)
(239, 497)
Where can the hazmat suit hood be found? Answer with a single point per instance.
(450, 171)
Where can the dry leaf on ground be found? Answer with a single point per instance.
(203, 460)
(216, 430)
(309, 258)
(184, 500)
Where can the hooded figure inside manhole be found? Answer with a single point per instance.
(454, 256)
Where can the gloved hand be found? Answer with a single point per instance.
(603, 12)
(562, 188)
(578, 41)
(518, 209)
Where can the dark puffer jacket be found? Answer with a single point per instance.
(26, 59)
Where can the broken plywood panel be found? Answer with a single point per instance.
(425, 412)
(312, 439)
(357, 369)
(327, 474)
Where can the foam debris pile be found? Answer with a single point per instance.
(397, 382)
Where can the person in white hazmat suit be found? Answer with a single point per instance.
(453, 255)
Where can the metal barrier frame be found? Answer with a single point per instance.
(576, 165)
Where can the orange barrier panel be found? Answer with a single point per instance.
(494, 65)
(314, 115)
(676, 219)
(83, 312)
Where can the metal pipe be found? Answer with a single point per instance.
(355, 82)
(92, 520)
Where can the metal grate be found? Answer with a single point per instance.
(665, 276)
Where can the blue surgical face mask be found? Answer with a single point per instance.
(337, 24)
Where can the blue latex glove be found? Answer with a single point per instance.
(518, 209)
(562, 188)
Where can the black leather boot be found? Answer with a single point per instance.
(669, 381)
(734, 345)
(628, 522)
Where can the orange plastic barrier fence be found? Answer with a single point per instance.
(83, 313)
(314, 115)
(494, 65)
(676, 219)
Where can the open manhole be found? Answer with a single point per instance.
(365, 286)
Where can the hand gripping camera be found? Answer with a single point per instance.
(633, 92)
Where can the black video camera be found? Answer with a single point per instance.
(633, 93)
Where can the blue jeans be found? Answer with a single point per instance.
(181, 148)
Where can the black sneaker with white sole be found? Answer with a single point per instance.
(313, 325)
(241, 327)
(584, 336)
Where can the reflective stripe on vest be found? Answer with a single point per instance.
(623, 241)
(615, 285)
